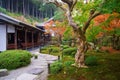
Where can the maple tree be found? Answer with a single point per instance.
(110, 23)
(88, 12)
(56, 29)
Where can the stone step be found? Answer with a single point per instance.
(26, 76)
(36, 71)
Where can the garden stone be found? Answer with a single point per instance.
(3, 72)
(26, 76)
(36, 71)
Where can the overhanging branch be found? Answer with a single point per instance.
(89, 20)
(70, 3)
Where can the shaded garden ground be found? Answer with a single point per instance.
(110, 50)
(101, 66)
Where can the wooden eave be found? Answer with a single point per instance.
(8, 19)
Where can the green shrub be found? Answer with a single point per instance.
(56, 67)
(68, 63)
(70, 51)
(50, 49)
(91, 61)
(65, 46)
(55, 49)
(12, 59)
(43, 48)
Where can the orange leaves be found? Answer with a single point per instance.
(108, 22)
(101, 18)
(54, 27)
(99, 35)
(113, 23)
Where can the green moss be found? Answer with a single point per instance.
(108, 68)
(56, 67)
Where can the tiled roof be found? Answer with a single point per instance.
(11, 20)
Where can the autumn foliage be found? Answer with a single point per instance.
(55, 27)
(108, 22)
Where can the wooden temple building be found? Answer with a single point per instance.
(15, 34)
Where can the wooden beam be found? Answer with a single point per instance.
(32, 39)
(39, 38)
(15, 38)
(25, 39)
(6, 36)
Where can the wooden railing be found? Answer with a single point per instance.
(11, 46)
(24, 46)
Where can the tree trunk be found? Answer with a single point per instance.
(0, 3)
(28, 8)
(82, 47)
(8, 8)
(16, 6)
(23, 7)
(12, 6)
(33, 11)
(80, 33)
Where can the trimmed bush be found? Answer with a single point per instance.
(65, 46)
(70, 51)
(68, 63)
(55, 49)
(91, 61)
(12, 59)
(56, 67)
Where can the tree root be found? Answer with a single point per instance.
(82, 66)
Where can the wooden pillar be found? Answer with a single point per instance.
(15, 38)
(44, 39)
(25, 39)
(38, 38)
(32, 39)
(6, 36)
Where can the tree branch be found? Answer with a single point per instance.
(67, 6)
(89, 20)
(57, 3)
(71, 3)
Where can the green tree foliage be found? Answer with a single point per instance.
(68, 34)
(110, 6)
(59, 15)
(81, 11)
(92, 32)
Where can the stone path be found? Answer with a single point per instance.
(37, 70)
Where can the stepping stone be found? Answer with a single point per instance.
(36, 66)
(50, 62)
(3, 72)
(36, 71)
(52, 59)
(26, 76)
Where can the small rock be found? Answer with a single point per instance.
(3, 72)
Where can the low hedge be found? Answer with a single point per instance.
(56, 67)
(12, 59)
(91, 61)
(70, 51)
(50, 49)
(65, 46)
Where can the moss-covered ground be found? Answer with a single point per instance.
(108, 68)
